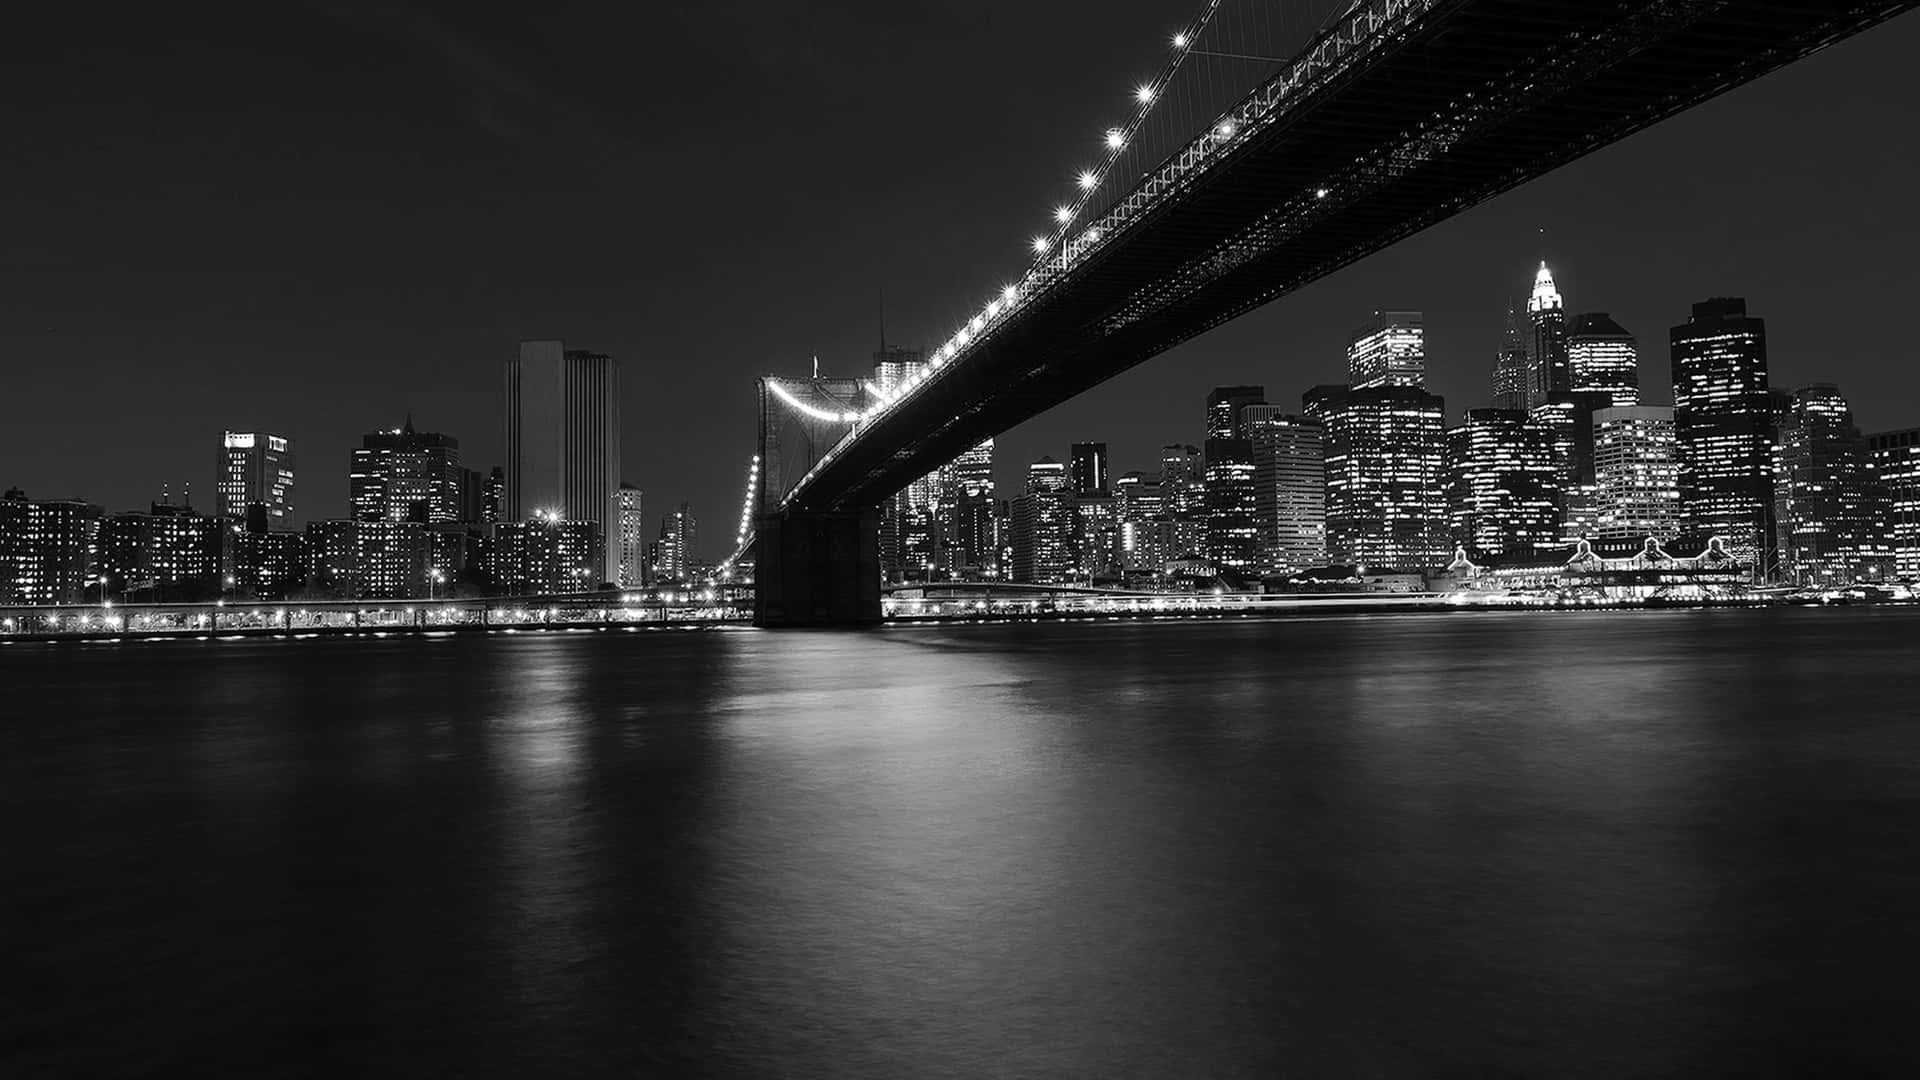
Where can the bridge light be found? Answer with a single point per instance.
(1179, 41)
(974, 326)
(1009, 293)
(1143, 94)
(1225, 130)
(993, 308)
(1086, 180)
(1063, 214)
(1116, 138)
(1040, 244)
(1319, 193)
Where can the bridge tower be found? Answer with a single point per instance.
(812, 566)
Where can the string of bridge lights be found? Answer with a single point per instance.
(746, 514)
(1087, 181)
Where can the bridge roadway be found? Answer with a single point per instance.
(1441, 105)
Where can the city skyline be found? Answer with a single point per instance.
(1623, 239)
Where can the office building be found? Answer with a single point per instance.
(543, 556)
(1040, 526)
(1895, 456)
(1548, 366)
(1724, 419)
(1232, 525)
(1146, 534)
(1290, 488)
(1636, 467)
(1502, 488)
(1388, 350)
(673, 553)
(1385, 463)
(406, 475)
(563, 441)
(1223, 409)
(1510, 379)
(964, 518)
(1088, 468)
(1603, 357)
(268, 565)
(1184, 493)
(256, 469)
(166, 553)
(632, 543)
(1829, 507)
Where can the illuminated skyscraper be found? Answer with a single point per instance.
(1602, 356)
(1832, 520)
(563, 441)
(673, 556)
(1510, 369)
(1636, 464)
(49, 547)
(1388, 350)
(632, 542)
(1724, 418)
(406, 475)
(1223, 409)
(1088, 468)
(545, 555)
(909, 526)
(1548, 367)
(1385, 468)
(965, 519)
(1040, 526)
(256, 469)
(1184, 495)
(1290, 488)
(1895, 456)
(1146, 534)
(1097, 544)
(1503, 492)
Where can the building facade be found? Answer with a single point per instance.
(1502, 489)
(49, 547)
(1636, 460)
(563, 440)
(1724, 419)
(544, 556)
(1040, 526)
(1549, 369)
(1827, 501)
(256, 470)
(1602, 356)
(632, 540)
(1290, 488)
(407, 475)
(1895, 456)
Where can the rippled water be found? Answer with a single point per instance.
(1640, 843)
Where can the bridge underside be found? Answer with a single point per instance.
(1469, 99)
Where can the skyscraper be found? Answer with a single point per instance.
(1184, 495)
(673, 552)
(1548, 367)
(1388, 350)
(1602, 356)
(53, 546)
(1223, 409)
(1040, 526)
(1385, 468)
(1088, 468)
(1896, 468)
(1831, 517)
(1510, 369)
(909, 531)
(256, 469)
(1723, 417)
(1502, 487)
(1146, 534)
(965, 520)
(563, 441)
(1636, 467)
(632, 538)
(1290, 488)
(406, 475)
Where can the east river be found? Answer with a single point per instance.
(1642, 843)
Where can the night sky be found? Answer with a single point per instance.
(310, 219)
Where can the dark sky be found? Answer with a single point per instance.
(310, 218)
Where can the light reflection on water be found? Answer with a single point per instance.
(1522, 843)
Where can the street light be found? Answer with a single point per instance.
(434, 577)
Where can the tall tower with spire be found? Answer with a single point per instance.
(1548, 372)
(1510, 368)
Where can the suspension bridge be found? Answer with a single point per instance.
(1280, 162)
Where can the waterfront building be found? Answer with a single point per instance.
(1146, 535)
(406, 475)
(674, 552)
(166, 553)
(1895, 456)
(1040, 526)
(269, 565)
(1184, 494)
(1502, 488)
(1831, 516)
(1549, 371)
(1388, 350)
(1607, 570)
(1636, 474)
(1290, 488)
(256, 469)
(632, 542)
(1385, 469)
(1510, 369)
(563, 441)
(48, 548)
(1724, 418)
(545, 555)
(371, 560)
(965, 523)
(1087, 467)
(1603, 357)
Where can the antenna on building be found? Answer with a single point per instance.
(166, 493)
(816, 367)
